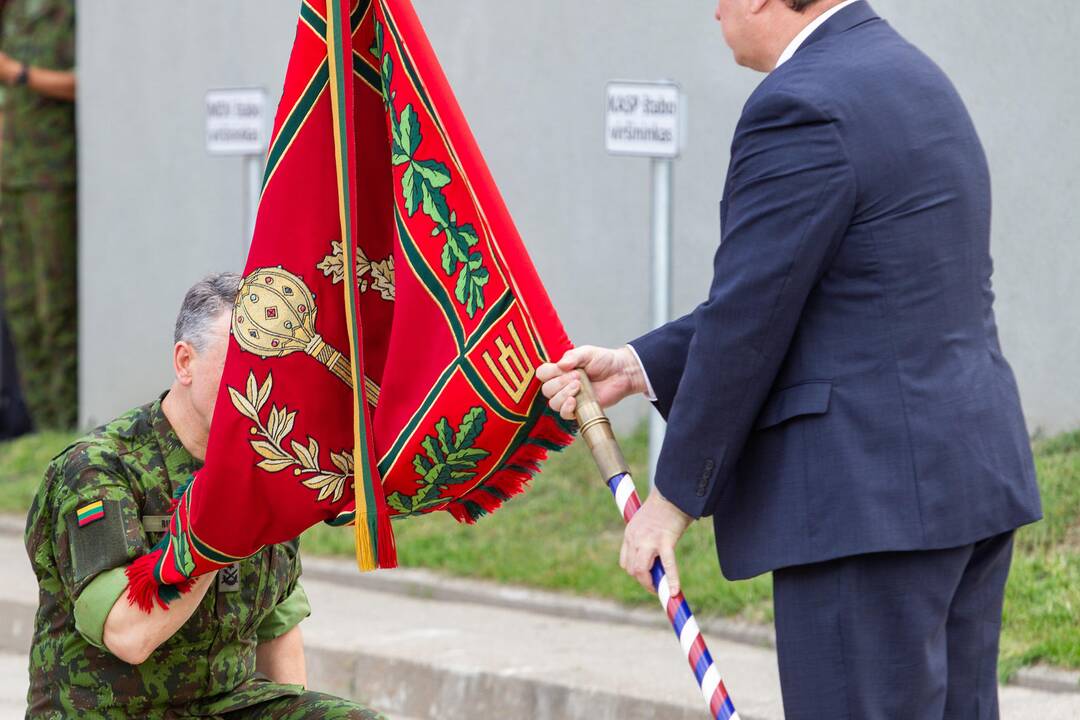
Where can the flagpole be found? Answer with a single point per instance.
(595, 427)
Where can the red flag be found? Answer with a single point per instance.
(386, 335)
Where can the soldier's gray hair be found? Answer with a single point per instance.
(203, 305)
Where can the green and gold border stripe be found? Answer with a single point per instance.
(361, 67)
(342, 519)
(433, 113)
(356, 18)
(499, 310)
(313, 20)
(367, 541)
(213, 554)
(299, 115)
(368, 74)
(414, 78)
(317, 22)
(429, 279)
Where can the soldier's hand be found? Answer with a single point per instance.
(614, 372)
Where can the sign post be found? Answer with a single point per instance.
(236, 124)
(648, 119)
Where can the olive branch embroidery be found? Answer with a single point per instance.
(449, 458)
(304, 459)
(422, 188)
(377, 276)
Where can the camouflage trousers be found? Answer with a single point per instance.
(308, 706)
(39, 278)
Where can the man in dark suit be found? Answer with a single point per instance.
(840, 404)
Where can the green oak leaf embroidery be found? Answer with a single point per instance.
(449, 458)
(377, 42)
(386, 72)
(423, 180)
(460, 239)
(422, 186)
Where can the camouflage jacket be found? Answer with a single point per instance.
(76, 544)
(39, 132)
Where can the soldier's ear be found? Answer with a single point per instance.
(183, 357)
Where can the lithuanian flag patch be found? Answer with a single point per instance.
(90, 513)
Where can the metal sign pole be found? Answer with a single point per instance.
(662, 201)
(648, 119)
(236, 125)
(253, 171)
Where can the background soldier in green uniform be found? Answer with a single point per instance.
(231, 647)
(37, 203)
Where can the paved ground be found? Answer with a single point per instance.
(13, 682)
(431, 658)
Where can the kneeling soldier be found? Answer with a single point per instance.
(232, 646)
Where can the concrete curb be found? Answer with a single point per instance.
(428, 691)
(429, 585)
(1047, 679)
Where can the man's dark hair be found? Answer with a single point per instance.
(203, 304)
(799, 5)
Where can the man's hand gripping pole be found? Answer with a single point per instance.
(594, 426)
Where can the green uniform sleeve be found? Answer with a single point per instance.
(96, 524)
(285, 616)
(95, 602)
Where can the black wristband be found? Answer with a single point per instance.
(24, 75)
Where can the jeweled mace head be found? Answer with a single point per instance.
(274, 313)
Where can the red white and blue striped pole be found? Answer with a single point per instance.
(596, 429)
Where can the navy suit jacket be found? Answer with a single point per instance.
(842, 390)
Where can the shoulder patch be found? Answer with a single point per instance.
(90, 513)
(98, 539)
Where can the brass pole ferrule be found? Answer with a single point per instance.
(595, 427)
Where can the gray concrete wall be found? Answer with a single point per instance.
(157, 212)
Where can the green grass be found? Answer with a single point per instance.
(1042, 601)
(564, 535)
(22, 464)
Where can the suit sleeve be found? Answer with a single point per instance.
(662, 353)
(790, 200)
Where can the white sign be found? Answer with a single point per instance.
(236, 121)
(644, 119)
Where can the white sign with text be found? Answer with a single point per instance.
(236, 121)
(644, 119)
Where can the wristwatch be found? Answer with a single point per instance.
(24, 75)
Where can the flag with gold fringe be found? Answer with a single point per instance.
(388, 327)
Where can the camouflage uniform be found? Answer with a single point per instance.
(207, 669)
(38, 212)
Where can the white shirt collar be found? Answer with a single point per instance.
(807, 31)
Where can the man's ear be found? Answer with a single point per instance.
(756, 6)
(183, 356)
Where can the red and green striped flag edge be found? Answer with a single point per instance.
(385, 339)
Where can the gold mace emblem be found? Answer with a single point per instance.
(274, 316)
